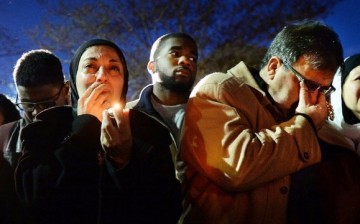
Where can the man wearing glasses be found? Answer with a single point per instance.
(40, 84)
(258, 146)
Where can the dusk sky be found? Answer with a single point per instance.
(19, 15)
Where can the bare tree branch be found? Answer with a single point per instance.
(227, 31)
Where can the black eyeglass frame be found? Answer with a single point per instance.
(312, 86)
(41, 104)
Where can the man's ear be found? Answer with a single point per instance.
(273, 64)
(151, 67)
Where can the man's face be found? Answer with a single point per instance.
(286, 84)
(176, 64)
(351, 91)
(36, 99)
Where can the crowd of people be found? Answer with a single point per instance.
(275, 144)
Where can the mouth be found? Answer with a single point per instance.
(183, 72)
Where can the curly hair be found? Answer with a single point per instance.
(38, 67)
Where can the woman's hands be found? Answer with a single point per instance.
(96, 99)
(116, 138)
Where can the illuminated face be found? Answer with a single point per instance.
(351, 91)
(176, 64)
(101, 65)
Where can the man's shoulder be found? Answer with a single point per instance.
(50, 121)
(57, 114)
(131, 104)
(331, 134)
(233, 78)
(6, 131)
(8, 126)
(49, 127)
(239, 71)
(143, 96)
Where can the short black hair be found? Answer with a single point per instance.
(158, 44)
(8, 109)
(38, 67)
(308, 38)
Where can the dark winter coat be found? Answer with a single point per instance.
(63, 178)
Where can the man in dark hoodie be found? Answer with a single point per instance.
(173, 67)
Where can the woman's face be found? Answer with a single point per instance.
(101, 66)
(351, 91)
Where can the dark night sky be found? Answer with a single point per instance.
(19, 15)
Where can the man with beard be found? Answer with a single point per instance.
(173, 67)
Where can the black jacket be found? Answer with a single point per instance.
(63, 179)
(143, 103)
(11, 211)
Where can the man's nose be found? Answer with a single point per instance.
(185, 60)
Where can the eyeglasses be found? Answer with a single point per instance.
(29, 107)
(311, 85)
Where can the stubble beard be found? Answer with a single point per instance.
(170, 83)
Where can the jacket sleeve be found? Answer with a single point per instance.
(58, 173)
(231, 138)
(149, 177)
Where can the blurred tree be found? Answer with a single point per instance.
(227, 31)
(7, 43)
(9, 47)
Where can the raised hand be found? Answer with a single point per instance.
(95, 100)
(116, 138)
(312, 103)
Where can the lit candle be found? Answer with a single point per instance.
(112, 109)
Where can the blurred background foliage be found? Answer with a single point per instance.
(227, 31)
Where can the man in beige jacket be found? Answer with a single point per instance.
(255, 144)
